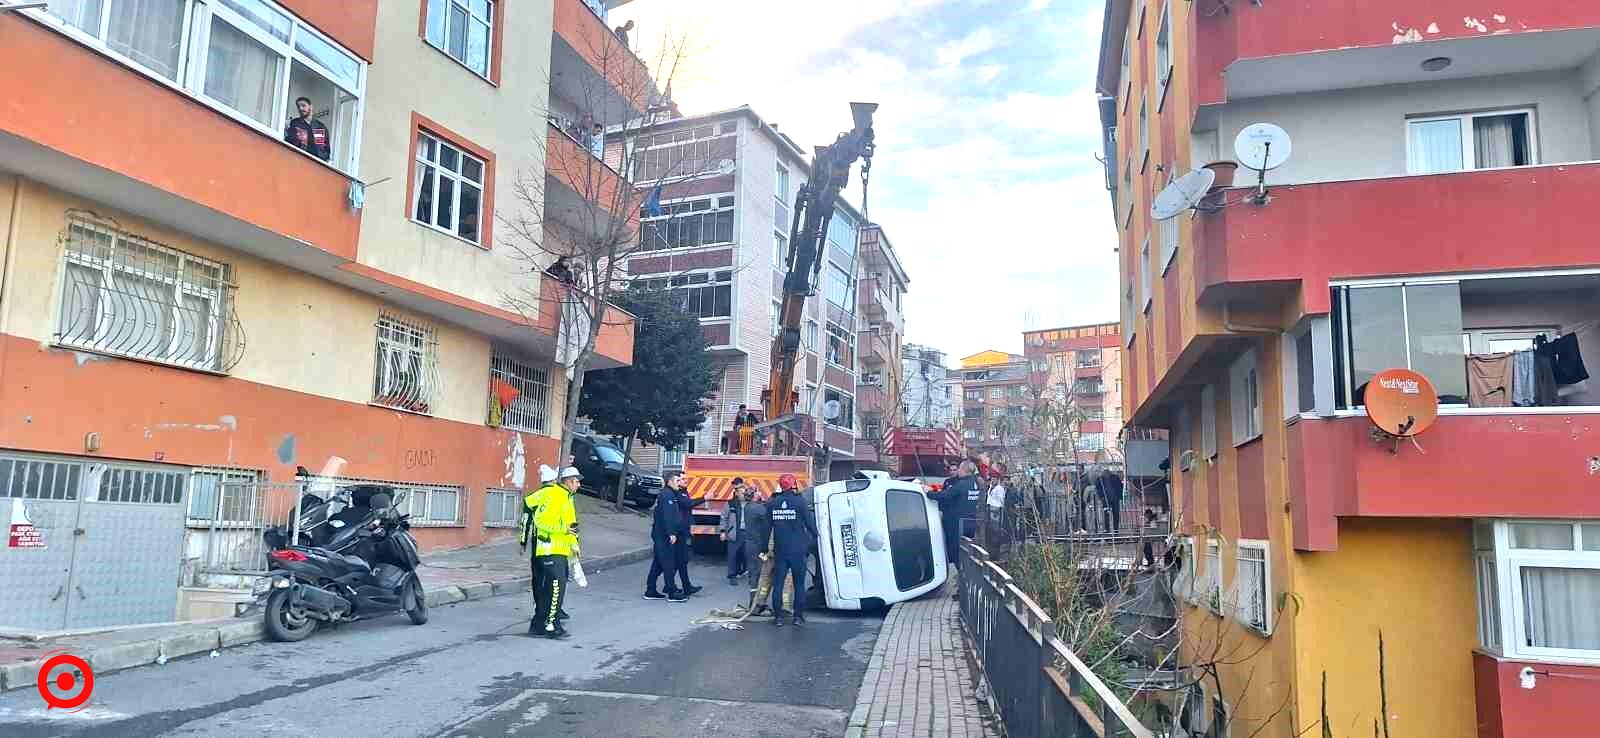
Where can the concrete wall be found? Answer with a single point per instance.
(1361, 133)
(412, 77)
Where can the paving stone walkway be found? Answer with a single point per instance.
(919, 682)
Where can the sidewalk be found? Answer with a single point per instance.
(609, 540)
(919, 683)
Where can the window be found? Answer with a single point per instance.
(780, 196)
(1169, 242)
(1088, 357)
(1244, 398)
(812, 342)
(1088, 386)
(688, 223)
(1129, 318)
(1144, 275)
(1183, 585)
(997, 393)
(838, 286)
(1254, 586)
(841, 346)
(1208, 421)
(1539, 587)
(1213, 582)
(1127, 65)
(462, 29)
(975, 394)
(808, 397)
(1164, 52)
(777, 317)
(127, 296)
(1470, 141)
(1414, 326)
(673, 457)
(519, 394)
(686, 152)
(910, 543)
(701, 294)
(432, 505)
(1091, 442)
(224, 497)
(847, 408)
(502, 508)
(447, 188)
(780, 250)
(842, 237)
(1144, 127)
(246, 58)
(1093, 412)
(407, 367)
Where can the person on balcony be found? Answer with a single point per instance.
(307, 133)
(745, 423)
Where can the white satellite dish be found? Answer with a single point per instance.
(1262, 146)
(830, 410)
(725, 166)
(1182, 193)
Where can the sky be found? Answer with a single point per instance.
(985, 177)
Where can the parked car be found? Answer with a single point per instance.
(602, 463)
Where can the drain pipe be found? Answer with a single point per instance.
(1227, 322)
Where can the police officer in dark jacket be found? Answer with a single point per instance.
(685, 508)
(794, 532)
(666, 530)
(307, 133)
(958, 502)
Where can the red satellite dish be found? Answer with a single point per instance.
(1402, 402)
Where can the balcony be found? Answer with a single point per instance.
(872, 398)
(876, 302)
(1265, 48)
(582, 193)
(1422, 224)
(135, 141)
(875, 348)
(1473, 463)
(588, 62)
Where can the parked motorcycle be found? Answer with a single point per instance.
(365, 567)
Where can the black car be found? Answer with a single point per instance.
(601, 463)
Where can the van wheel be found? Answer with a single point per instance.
(416, 602)
(282, 624)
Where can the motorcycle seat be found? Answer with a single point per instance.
(355, 561)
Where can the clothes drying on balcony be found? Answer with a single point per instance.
(1568, 361)
(1489, 380)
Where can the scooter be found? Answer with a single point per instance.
(366, 568)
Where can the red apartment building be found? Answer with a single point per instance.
(1081, 365)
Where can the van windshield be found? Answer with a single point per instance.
(910, 543)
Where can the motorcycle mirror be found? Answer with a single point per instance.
(336, 523)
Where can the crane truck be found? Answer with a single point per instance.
(880, 539)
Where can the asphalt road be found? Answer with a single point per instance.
(632, 668)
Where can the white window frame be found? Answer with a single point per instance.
(532, 382)
(1213, 594)
(1146, 288)
(457, 177)
(1164, 63)
(846, 337)
(189, 79)
(1170, 238)
(425, 493)
(813, 336)
(1208, 422)
(1130, 317)
(1469, 152)
(836, 272)
(847, 414)
(780, 250)
(1186, 588)
(226, 476)
(1244, 398)
(1508, 563)
(111, 264)
(1243, 597)
(442, 45)
(720, 202)
(695, 144)
(422, 345)
(997, 393)
(1144, 129)
(502, 498)
(714, 279)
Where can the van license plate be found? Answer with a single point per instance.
(847, 533)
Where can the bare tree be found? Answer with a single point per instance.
(580, 214)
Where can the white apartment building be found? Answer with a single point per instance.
(927, 391)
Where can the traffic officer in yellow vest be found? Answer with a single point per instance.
(525, 533)
(555, 526)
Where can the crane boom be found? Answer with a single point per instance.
(813, 211)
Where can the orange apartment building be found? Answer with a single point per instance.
(192, 307)
(1435, 215)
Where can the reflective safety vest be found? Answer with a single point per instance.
(552, 522)
(530, 505)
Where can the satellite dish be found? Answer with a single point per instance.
(1262, 146)
(725, 166)
(1401, 402)
(830, 410)
(1182, 193)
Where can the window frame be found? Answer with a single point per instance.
(515, 497)
(846, 337)
(1510, 627)
(1208, 422)
(504, 365)
(194, 45)
(1239, 582)
(426, 519)
(693, 284)
(1171, 238)
(249, 477)
(495, 21)
(846, 413)
(1164, 60)
(1469, 154)
(1214, 601)
(428, 377)
(424, 126)
(1244, 398)
(1146, 280)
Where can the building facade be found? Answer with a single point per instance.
(881, 284)
(727, 185)
(996, 402)
(1429, 218)
(203, 291)
(928, 389)
(1080, 366)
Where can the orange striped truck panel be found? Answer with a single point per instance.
(711, 477)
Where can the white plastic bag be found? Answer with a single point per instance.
(577, 573)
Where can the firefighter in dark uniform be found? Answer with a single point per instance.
(794, 532)
(555, 527)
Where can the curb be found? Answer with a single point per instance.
(226, 635)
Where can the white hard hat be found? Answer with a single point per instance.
(546, 474)
(571, 472)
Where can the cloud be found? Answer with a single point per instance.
(953, 53)
(1038, 5)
